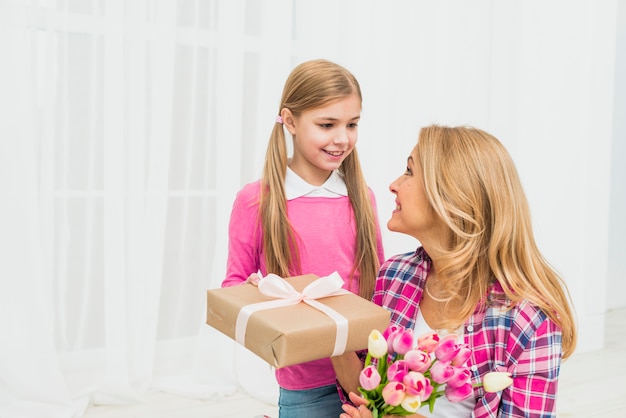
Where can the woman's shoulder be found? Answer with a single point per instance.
(523, 315)
(416, 256)
(403, 263)
(529, 314)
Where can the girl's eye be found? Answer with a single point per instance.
(326, 125)
(408, 171)
(353, 125)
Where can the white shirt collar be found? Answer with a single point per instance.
(296, 186)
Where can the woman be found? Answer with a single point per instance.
(478, 273)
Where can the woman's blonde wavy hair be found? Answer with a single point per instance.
(310, 85)
(473, 185)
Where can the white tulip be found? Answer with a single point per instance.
(497, 381)
(376, 344)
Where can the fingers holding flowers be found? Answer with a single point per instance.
(358, 409)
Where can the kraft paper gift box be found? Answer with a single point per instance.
(296, 333)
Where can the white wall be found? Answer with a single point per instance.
(616, 288)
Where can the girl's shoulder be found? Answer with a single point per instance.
(250, 191)
(372, 195)
(248, 197)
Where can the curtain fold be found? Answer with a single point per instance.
(30, 376)
(113, 187)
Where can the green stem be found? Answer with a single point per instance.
(382, 370)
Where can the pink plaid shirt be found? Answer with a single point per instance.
(521, 340)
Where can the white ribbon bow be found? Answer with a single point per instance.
(275, 286)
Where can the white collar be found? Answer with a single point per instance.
(296, 186)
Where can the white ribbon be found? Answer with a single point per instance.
(275, 286)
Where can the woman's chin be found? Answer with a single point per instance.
(392, 226)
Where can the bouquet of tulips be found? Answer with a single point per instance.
(407, 375)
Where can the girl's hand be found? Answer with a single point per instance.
(253, 279)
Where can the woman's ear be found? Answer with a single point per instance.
(289, 120)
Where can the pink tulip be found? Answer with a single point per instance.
(417, 360)
(393, 334)
(441, 371)
(462, 356)
(403, 341)
(397, 370)
(369, 378)
(459, 394)
(393, 393)
(428, 391)
(460, 377)
(428, 342)
(447, 348)
(416, 384)
(390, 329)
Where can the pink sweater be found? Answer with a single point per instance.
(326, 239)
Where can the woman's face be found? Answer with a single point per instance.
(323, 137)
(413, 214)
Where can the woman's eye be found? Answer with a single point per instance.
(408, 171)
(326, 125)
(353, 125)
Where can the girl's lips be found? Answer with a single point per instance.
(334, 153)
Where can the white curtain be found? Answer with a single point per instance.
(127, 127)
(111, 175)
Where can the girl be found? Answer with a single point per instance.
(478, 273)
(312, 213)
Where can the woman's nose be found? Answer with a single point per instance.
(393, 187)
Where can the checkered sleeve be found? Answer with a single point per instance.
(532, 353)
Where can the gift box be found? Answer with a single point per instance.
(298, 332)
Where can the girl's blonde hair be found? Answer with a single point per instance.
(472, 184)
(310, 85)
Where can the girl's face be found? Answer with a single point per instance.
(413, 214)
(323, 137)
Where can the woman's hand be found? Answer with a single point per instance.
(360, 411)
